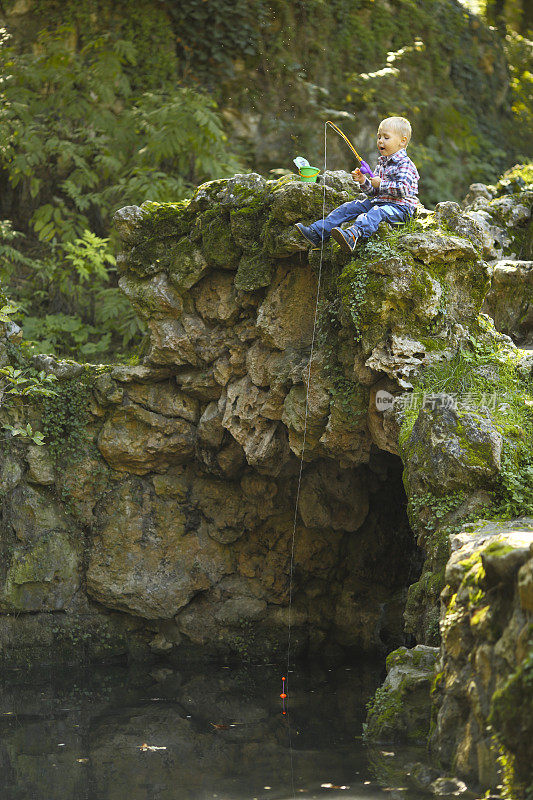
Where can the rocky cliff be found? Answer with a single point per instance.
(158, 516)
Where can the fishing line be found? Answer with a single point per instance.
(285, 682)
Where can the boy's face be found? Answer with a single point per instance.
(389, 141)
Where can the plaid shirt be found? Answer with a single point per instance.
(399, 181)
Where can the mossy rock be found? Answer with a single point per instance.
(187, 265)
(254, 272)
(422, 609)
(246, 224)
(151, 256)
(400, 709)
(512, 721)
(218, 244)
(449, 449)
(165, 219)
(44, 576)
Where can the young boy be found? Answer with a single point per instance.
(392, 194)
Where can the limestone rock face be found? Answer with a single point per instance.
(136, 440)
(510, 300)
(285, 318)
(152, 298)
(178, 515)
(450, 449)
(32, 511)
(43, 574)
(401, 709)
(143, 561)
(504, 213)
(483, 698)
(41, 467)
(480, 677)
(333, 498)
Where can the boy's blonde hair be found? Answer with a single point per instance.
(399, 125)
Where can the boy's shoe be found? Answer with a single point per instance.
(346, 239)
(309, 234)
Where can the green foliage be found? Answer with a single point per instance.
(90, 317)
(11, 257)
(439, 507)
(352, 395)
(26, 432)
(211, 34)
(77, 141)
(244, 641)
(353, 285)
(510, 720)
(64, 421)
(519, 53)
(445, 121)
(24, 383)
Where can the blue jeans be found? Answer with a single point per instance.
(367, 216)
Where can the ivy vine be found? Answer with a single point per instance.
(64, 421)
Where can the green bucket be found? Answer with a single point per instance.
(309, 174)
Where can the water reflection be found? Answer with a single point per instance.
(215, 734)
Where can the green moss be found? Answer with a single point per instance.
(498, 549)
(152, 255)
(437, 682)
(475, 454)
(512, 723)
(257, 205)
(165, 219)
(186, 264)
(479, 617)
(472, 561)
(433, 344)
(383, 710)
(409, 658)
(425, 594)
(515, 179)
(486, 372)
(361, 294)
(34, 576)
(217, 242)
(397, 657)
(253, 272)
(64, 420)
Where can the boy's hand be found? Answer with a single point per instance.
(376, 182)
(358, 176)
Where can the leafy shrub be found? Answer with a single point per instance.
(77, 141)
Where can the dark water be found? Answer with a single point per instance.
(79, 735)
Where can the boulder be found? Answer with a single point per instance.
(136, 440)
(144, 560)
(152, 298)
(41, 466)
(400, 709)
(451, 449)
(510, 299)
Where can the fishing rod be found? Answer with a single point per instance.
(365, 168)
